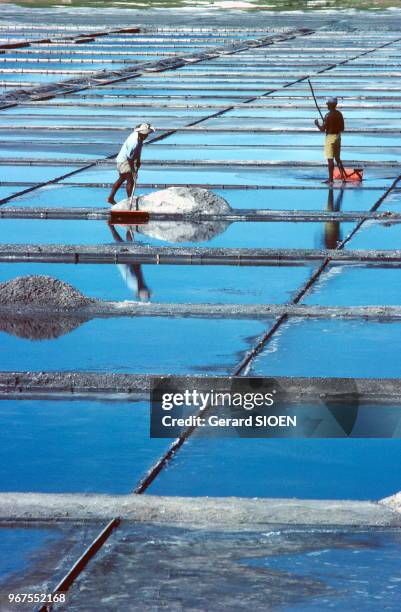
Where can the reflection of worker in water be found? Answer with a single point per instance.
(333, 125)
(132, 273)
(129, 159)
(332, 228)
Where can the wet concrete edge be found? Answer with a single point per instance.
(201, 512)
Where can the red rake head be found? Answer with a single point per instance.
(129, 217)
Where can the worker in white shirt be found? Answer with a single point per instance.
(129, 159)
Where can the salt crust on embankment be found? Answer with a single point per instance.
(231, 513)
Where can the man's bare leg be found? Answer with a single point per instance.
(130, 185)
(330, 166)
(341, 168)
(116, 187)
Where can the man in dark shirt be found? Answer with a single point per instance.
(332, 125)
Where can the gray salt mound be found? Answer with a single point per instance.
(186, 201)
(41, 291)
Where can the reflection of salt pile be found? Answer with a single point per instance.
(191, 201)
(183, 231)
(32, 328)
(37, 297)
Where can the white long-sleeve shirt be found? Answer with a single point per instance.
(127, 150)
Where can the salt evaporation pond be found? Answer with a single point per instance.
(98, 446)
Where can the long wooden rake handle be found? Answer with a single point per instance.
(314, 98)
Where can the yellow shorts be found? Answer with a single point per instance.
(332, 146)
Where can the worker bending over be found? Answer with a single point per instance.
(129, 159)
(333, 125)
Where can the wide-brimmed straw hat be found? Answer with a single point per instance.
(144, 128)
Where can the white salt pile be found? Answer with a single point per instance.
(191, 201)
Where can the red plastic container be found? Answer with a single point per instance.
(351, 175)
